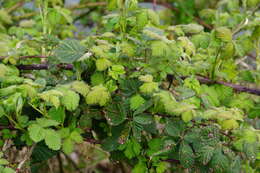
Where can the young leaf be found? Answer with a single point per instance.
(36, 132)
(136, 101)
(52, 139)
(70, 99)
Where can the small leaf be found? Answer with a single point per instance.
(52, 139)
(80, 87)
(76, 137)
(70, 99)
(143, 119)
(144, 107)
(98, 96)
(44, 122)
(69, 51)
(136, 101)
(67, 146)
(36, 132)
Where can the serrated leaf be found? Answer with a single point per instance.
(70, 99)
(36, 132)
(144, 107)
(52, 139)
(67, 146)
(186, 155)
(206, 153)
(136, 101)
(44, 122)
(69, 51)
(76, 137)
(143, 119)
(98, 96)
(174, 128)
(57, 114)
(116, 114)
(80, 87)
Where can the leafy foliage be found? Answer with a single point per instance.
(160, 89)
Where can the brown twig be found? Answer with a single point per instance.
(60, 162)
(43, 66)
(7, 127)
(236, 87)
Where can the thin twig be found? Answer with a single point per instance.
(43, 66)
(236, 87)
(10, 127)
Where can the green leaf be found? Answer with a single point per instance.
(102, 64)
(80, 87)
(3, 162)
(67, 146)
(98, 96)
(44, 122)
(140, 167)
(133, 148)
(187, 116)
(206, 153)
(186, 155)
(116, 114)
(173, 127)
(69, 51)
(143, 119)
(219, 162)
(144, 107)
(36, 132)
(52, 139)
(76, 137)
(97, 79)
(8, 170)
(70, 99)
(57, 114)
(136, 101)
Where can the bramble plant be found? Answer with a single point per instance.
(160, 86)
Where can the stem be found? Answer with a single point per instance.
(215, 63)
(43, 66)
(60, 162)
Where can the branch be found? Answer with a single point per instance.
(44, 66)
(7, 127)
(236, 87)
